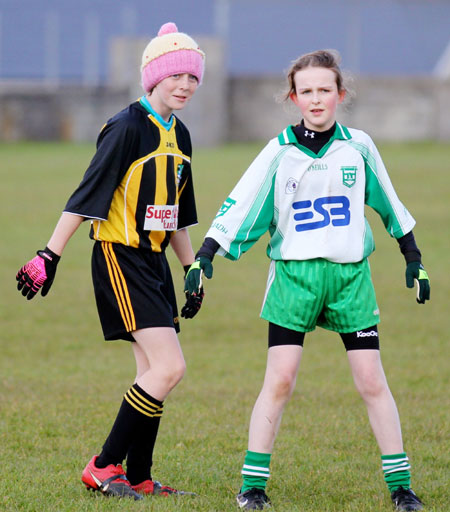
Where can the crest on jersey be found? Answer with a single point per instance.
(291, 186)
(227, 204)
(349, 175)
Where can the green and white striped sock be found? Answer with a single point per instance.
(396, 471)
(255, 470)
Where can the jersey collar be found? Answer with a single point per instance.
(146, 104)
(287, 136)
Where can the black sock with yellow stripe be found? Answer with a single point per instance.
(136, 425)
(140, 452)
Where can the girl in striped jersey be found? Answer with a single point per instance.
(308, 188)
(139, 196)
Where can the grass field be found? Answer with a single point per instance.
(61, 385)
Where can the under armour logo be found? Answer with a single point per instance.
(309, 134)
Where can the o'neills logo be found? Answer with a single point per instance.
(161, 217)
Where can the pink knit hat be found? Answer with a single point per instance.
(170, 53)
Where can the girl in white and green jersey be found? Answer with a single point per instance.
(308, 187)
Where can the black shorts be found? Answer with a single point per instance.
(358, 340)
(133, 290)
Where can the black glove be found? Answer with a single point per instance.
(38, 273)
(193, 300)
(416, 272)
(193, 304)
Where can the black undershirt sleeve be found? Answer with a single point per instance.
(208, 248)
(409, 249)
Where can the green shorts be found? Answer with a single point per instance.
(337, 296)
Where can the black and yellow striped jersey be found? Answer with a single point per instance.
(138, 187)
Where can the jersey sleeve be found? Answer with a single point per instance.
(115, 147)
(381, 196)
(248, 211)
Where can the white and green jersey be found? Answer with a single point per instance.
(311, 204)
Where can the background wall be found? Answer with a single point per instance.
(66, 68)
(389, 108)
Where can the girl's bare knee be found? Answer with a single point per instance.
(282, 388)
(174, 374)
(179, 372)
(372, 387)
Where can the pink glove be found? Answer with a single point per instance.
(38, 273)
